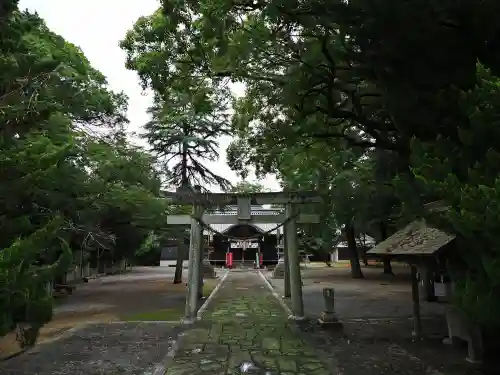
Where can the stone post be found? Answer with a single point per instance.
(294, 266)
(50, 288)
(334, 255)
(194, 266)
(286, 259)
(329, 317)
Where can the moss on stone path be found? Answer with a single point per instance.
(244, 322)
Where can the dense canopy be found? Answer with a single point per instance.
(382, 106)
(72, 187)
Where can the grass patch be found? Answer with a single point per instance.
(171, 314)
(209, 286)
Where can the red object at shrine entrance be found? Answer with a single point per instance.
(229, 259)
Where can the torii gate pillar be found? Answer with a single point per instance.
(293, 263)
(194, 270)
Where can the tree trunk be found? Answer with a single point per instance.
(387, 259)
(179, 263)
(351, 245)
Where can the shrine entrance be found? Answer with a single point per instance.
(244, 243)
(249, 245)
(242, 224)
(245, 252)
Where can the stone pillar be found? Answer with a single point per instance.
(286, 259)
(50, 288)
(207, 270)
(194, 266)
(279, 270)
(201, 271)
(294, 266)
(329, 317)
(334, 255)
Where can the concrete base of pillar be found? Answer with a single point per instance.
(330, 320)
(279, 271)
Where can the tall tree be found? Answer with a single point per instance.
(183, 133)
(351, 71)
(188, 115)
(62, 187)
(463, 174)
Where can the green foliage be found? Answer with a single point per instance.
(463, 172)
(189, 112)
(247, 187)
(379, 105)
(24, 276)
(183, 135)
(63, 189)
(150, 243)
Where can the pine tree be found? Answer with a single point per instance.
(183, 133)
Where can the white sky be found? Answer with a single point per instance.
(96, 26)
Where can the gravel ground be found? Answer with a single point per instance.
(366, 347)
(104, 345)
(382, 348)
(116, 348)
(376, 339)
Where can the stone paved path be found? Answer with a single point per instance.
(245, 322)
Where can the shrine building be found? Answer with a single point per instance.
(246, 242)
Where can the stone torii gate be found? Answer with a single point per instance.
(198, 218)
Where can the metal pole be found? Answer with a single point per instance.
(194, 266)
(294, 266)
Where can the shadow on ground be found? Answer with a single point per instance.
(113, 348)
(91, 325)
(376, 312)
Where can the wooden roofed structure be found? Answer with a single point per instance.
(417, 244)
